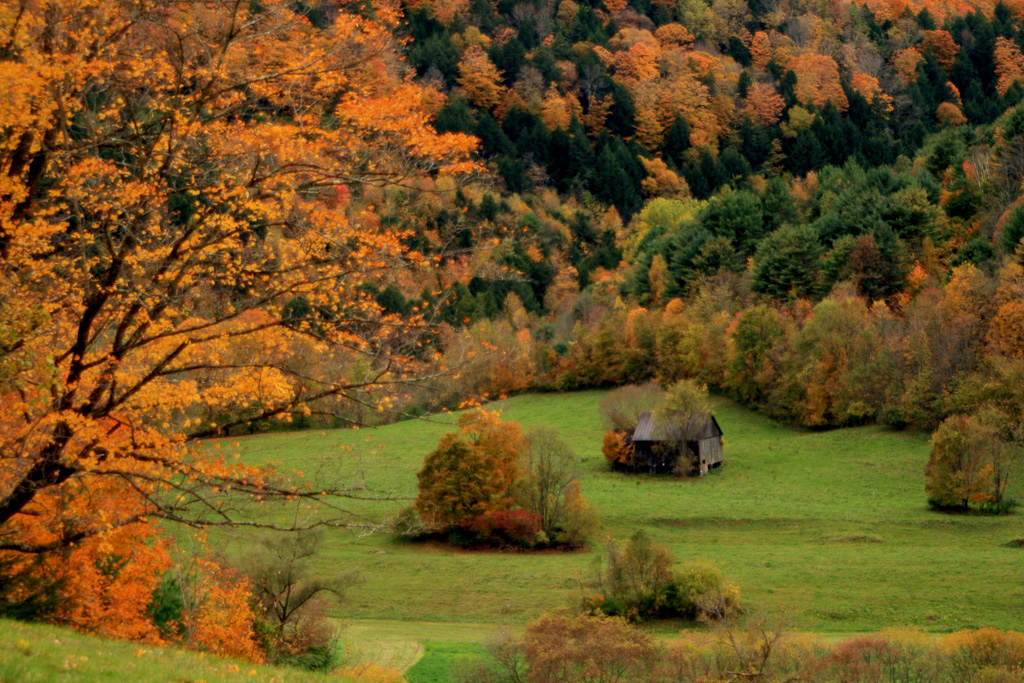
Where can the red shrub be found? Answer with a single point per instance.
(517, 527)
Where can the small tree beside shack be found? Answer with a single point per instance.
(675, 432)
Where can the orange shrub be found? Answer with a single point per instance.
(617, 449)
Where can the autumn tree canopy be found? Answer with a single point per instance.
(180, 228)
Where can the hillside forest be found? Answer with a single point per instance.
(223, 218)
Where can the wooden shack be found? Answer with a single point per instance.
(685, 446)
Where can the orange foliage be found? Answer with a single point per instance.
(499, 442)
(480, 78)
(456, 485)
(106, 584)
(1006, 330)
(917, 278)
(1009, 64)
(763, 104)
(950, 114)
(596, 115)
(446, 11)
(638, 63)
(673, 35)
(662, 181)
(235, 204)
(1006, 333)
(817, 80)
(560, 647)
(760, 50)
(218, 616)
(497, 485)
(649, 126)
(869, 87)
(886, 9)
(555, 112)
(617, 449)
(682, 92)
(969, 651)
(942, 46)
(905, 62)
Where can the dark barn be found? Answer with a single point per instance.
(661, 446)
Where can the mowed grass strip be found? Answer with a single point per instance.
(831, 527)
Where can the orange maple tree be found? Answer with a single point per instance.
(904, 63)
(1009, 64)
(942, 45)
(480, 78)
(760, 49)
(472, 475)
(179, 214)
(817, 80)
(764, 104)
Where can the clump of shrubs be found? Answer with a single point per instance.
(492, 485)
(757, 647)
(641, 582)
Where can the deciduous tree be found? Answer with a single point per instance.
(480, 78)
(817, 80)
(179, 229)
(962, 465)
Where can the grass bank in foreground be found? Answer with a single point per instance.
(31, 653)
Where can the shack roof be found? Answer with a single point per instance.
(697, 427)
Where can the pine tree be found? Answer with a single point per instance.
(676, 141)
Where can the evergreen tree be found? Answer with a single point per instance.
(1012, 231)
(676, 141)
(455, 117)
(777, 205)
(787, 88)
(508, 58)
(977, 251)
(736, 216)
(895, 264)
(710, 170)
(586, 27)
(581, 154)
(806, 153)
(755, 142)
(732, 166)
(839, 139)
(621, 119)
(681, 251)
(787, 263)
(558, 166)
(436, 51)
(613, 182)
(512, 170)
(925, 20)
(738, 50)
(743, 84)
(493, 140)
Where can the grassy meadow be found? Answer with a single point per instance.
(830, 527)
(39, 653)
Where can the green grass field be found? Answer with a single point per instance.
(37, 653)
(831, 527)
